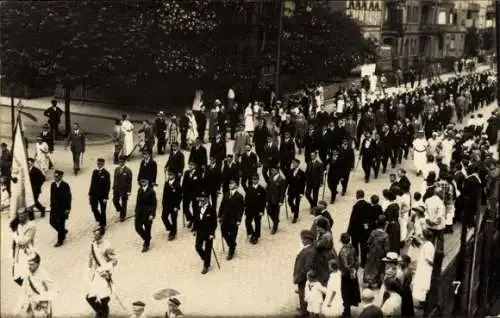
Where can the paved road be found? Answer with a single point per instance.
(257, 282)
(259, 274)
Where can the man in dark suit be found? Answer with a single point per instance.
(367, 155)
(47, 137)
(360, 225)
(311, 143)
(404, 182)
(199, 154)
(77, 141)
(270, 157)
(335, 173)
(212, 181)
(249, 162)
(175, 161)
(201, 122)
(204, 227)
(296, 185)
(255, 203)
(346, 158)
(122, 186)
(276, 188)
(314, 177)
(37, 179)
(99, 192)
(191, 189)
(260, 135)
(287, 153)
(304, 262)
(230, 171)
(60, 206)
(145, 212)
(54, 114)
(147, 169)
(172, 197)
(160, 128)
(230, 214)
(387, 138)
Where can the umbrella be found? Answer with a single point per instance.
(165, 293)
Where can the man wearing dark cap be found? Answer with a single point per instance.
(346, 159)
(304, 262)
(54, 114)
(173, 309)
(249, 164)
(172, 197)
(230, 214)
(145, 212)
(122, 186)
(212, 180)
(287, 153)
(296, 185)
(314, 177)
(60, 206)
(47, 137)
(276, 188)
(138, 309)
(191, 188)
(199, 153)
(99, 193)
(204, 227)
(255, 203)
(160, 129)
(148, 168)
(76, 142)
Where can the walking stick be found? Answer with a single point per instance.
(222, 242)
(215, 256)
(286, 210)
(357, 164)
(324, 187)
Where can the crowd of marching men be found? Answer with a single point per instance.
(454, 163)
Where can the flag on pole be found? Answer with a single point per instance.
(20, 184)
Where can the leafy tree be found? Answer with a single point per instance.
(472, 42)
(488, 39)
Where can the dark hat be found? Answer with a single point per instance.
(297, 161)
(46, 126)
(230, 155)
(233, 181)
(143, 179)
(59, 173)
(307, 235)
(203, 194)
(138, 303)
(101, 160)
(175, 301)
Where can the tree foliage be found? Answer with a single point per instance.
(472, 42)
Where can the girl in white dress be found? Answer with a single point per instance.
(333, 306)
(128, 131)
(423, 272)
(420, 152)
(192, 133)
(42, 154)
(249, 118)
(314, 293)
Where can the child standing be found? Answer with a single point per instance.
(314, 293)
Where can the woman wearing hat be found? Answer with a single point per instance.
(173, 309)
(42, 155)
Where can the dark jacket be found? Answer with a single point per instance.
(207, 225)
(148, 171)
(191, 185)
(212, 180)
(276, 190)
(314, 174)
(37, 179)
(77, 141)
(54, 115)
(255, 199)
(146, 203)
(270, 155)
(100, 184)
(359, 223)
(218, 150)
(296, 183)
(176, 163)
(172, 194)
(122, 180)
(304, 262)
(198, 156)
(60, 198)
(231, 209)
(249, 164)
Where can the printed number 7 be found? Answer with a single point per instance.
(457, 285)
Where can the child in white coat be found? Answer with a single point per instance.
(314, 294)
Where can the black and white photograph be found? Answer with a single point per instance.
(249, 158)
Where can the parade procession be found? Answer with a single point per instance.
(319, 201)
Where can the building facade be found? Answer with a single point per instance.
(422, 31)
(368, 13)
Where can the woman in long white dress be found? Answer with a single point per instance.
(249, 118)
(333, 306)
(128, 131)
(42, 158)
(423, 272)
(192, 133)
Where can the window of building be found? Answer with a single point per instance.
(409, 14)
(415, 14)
(442, 17)
(377, 6)
(452, 42)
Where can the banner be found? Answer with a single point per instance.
(20, 184)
